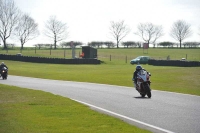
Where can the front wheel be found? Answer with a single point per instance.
(148, 90)
(142, 95)
(149, 94)
(4, 76)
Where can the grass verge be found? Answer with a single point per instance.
(32, 111)
(174, 79)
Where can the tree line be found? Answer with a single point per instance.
(109, 44)
(22, 26)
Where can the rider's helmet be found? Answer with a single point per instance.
(2, 63)
(138, 68)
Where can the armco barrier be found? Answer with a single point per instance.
(179, 63)
(48, 60)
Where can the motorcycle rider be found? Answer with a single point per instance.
(137, 69)
(2, 66)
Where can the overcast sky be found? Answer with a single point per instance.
(89, 20)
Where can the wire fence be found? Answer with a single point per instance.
(104, 56)
(128, 58)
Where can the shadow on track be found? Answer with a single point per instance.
(139, 97)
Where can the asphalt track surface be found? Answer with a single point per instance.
(164, 112)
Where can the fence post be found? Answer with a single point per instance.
(50, 48)
(110, 57)
(64, 53)
(186, 57)
(35, 49)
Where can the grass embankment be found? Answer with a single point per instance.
(30, 111)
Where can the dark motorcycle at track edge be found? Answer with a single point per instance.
(4, 73)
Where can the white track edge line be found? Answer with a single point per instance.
(125, 117)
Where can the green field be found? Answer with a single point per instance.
(175, 79)
(115, 70)
(30, 111)
(118, 55)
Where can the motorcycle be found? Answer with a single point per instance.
(4, 73)
(143, 83)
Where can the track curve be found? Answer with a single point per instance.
(164, 112)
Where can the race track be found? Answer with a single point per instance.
(164, 112)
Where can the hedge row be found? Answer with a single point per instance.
(48, 60)
(180, 63)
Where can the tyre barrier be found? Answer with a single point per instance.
(48, 60)
(179, 63)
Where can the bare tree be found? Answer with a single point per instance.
(9, 16)
(39, 45)
(55, 30)
(119, 30)
(95, 44)
(149, 32)
(191, 44)
(129, 43)
(180, 30)
(166, 44)
(68, 44)
(109, 44)
(26, 29)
